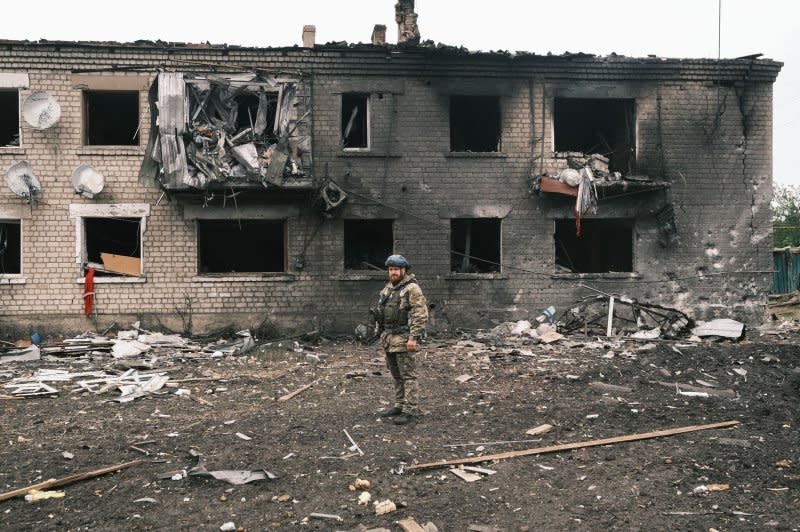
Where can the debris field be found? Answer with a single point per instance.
(178, 435)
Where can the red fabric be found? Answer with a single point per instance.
(88, 292)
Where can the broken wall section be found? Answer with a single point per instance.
(225, 130)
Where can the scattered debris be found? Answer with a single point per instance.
(364, 498)
(466, 476)
(300, 390)
(354, 446)
(325, 517)
(722, 328)
(541, 429)
(384, 507)
(36, 495)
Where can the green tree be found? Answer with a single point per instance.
(786, 215)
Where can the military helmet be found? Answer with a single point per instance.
(397, 260)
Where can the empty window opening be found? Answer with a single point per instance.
(597, 125)
(9, 118)
(248, 106)
(367, 243)
(115, 236)
(241, 246)
(355, 123)
(111, 118)
(604, 246)
(475, 123)
(475, 245)
(10, 247)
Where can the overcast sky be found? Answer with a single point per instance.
(673, 28)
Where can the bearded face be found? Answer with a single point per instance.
(396, 274)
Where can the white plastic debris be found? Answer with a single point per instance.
(227, 527)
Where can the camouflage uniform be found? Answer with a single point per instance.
(404, 313)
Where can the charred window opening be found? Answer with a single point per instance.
(111, 118)
(9, 118)
(247, 106)
(241, 246)
(367, 243)
(10, 247)
(597, 125)
(115, 236)
(475, 245)
(355, 123)
(475, 123)
(603, 246)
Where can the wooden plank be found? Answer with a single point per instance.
(726, 393)
(410, 525)
(610, 388)
(554, 185)
(53, 482)
(300, 390)
(466, 476)
(122, 264)
(579, 445)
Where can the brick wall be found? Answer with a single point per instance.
(699, 126)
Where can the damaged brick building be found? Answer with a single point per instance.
(205, 186)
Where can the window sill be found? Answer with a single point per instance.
(12, 150)
(475, 276)
(604, 275)
(367, 154)
(114, 280)
(121, 151)
(475, 155)
(245, 278)
(363, 276)
(12, 279)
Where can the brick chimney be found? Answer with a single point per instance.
(309, 36)
(407, 30)
(379, 35)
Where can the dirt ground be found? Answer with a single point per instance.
(479, 396)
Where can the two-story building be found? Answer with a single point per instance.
(200, 186)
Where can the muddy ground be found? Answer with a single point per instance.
(742, 478)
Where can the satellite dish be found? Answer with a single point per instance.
(23, 182)
(41, 110)
(87, 181)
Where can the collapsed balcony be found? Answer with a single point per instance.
(214, 132)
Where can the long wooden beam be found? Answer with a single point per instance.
(571, 446)
(53, 482)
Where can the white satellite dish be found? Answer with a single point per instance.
(87, 181)
(23, 182)
(41, 110)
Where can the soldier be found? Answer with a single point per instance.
(402, 314)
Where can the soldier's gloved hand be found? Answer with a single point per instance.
(411, 345)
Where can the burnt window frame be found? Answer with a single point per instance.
(86, 117)
(16, 92)
(570, 228)
(367, 97)
(379, 254)
(453, 127)
(631, 122)
(4, 237)
(284, 225)
(492, 267)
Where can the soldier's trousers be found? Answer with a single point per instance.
(403, 367)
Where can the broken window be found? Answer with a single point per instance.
(367, 243)
(111, 118)
(10, 247)
(603, 246)
(597, 125)
(9, 117)
(113, 245)
(475, 123)
(355, 120)
(241, 246)
(475, 245)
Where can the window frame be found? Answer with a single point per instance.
(199, 275)
(630, 222)
(109, 210)
(452, 251)
(85, 118)
(498, 100)
(19, 118)
(10, 278)
(368, 122)
(346, 221)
